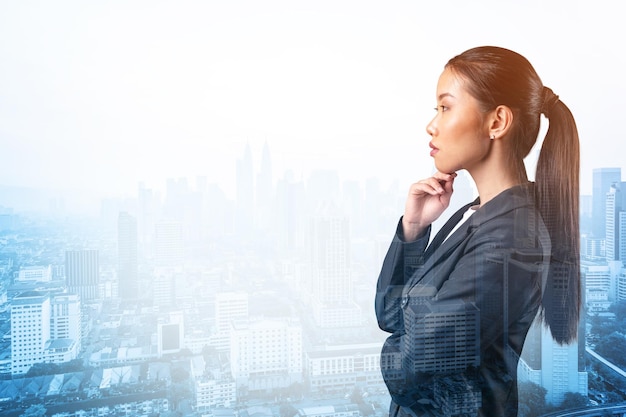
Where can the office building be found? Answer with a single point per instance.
(214, 392)
(229, 306)
(164, 287)
(245, 193)
(34, 274)
(82, 273)
(265, 353)
(30, 330)
(127, 247)
(66, 317)
(442, 337)
(44, 329)
(168, 243)
(331, 284)
(613, 209)
(171, 333)
(342, 367)
(264, 193)
(557, 368)
(603, 178)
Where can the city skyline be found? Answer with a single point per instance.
(188, 279)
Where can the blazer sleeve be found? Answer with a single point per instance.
(401, 262)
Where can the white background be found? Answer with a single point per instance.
(100, 95)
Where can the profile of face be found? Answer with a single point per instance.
(459, 130)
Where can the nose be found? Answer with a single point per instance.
(431, 128)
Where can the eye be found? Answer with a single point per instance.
(442, 108)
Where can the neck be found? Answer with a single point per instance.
(495, 176)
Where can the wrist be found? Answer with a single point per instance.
(411, 231)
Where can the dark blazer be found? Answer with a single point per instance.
(459, 311)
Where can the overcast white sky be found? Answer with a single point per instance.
(103, 94)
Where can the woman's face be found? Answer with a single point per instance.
(460, 135)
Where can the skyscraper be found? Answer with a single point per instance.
(603, 178)
(229, 306)
(613, 207)
(44, 328)
(266, 353)
(557, 368)
(443, 337)
(245, 192)
(264, 192)
(66, 320)
(331, 279)
(615, 215)
(168, 243)
(127, 271)
(82, 272)
(30, 330)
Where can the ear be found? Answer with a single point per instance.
(500, 121)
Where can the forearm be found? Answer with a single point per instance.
(400, 263)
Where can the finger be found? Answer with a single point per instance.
(445, 177)
(431, 185)
(448, 186)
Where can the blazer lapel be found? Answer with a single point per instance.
(507, 200)
(439, 250)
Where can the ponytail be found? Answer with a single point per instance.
(557, 185)
(500, 76)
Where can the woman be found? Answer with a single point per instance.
(459, 307)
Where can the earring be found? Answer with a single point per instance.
(492, 137)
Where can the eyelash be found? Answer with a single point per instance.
(443, 108)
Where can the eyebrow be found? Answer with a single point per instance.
(443, 95)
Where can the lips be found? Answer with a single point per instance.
(434, 150)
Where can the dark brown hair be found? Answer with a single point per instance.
(498, 76)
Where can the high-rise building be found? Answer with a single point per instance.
(290, 214)
(164, 287)
(148, 209)
(597, 275)
(44, 328)
(592, 248)
(330, 255)
(445, 337)
(245, 192)
(82, 272)
(127, 271)
(621, 232)
(168, 243)
(30, 330)
(65, 317)
(171, 333)
(615, 213)
(264, 192)
(331, 280)
(613, 208)
(229, 306)
(176, 194)
(266, 353)
(603, 178)
(557, 368)
(621, 285)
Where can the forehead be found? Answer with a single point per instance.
(450, 83)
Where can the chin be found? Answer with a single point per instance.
(446, 169)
